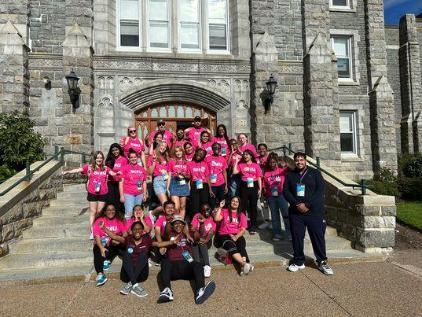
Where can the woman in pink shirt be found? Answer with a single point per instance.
(158, 167)
(189, 151)
(273, 180)
(217, 165)
(139, 216)
(200, 183)
(97, 184)
(232, 225)
(158, 138)
(180, 138)
(244, 144)
(116, 160)
(206, 142)
(133, 186)
(250, 186)
(178, 181)
(222, 139)
(105, 248)
(132, 141)
(234, 179)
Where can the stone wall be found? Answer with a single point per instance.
(26, 201)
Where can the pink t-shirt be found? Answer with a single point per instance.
(147, 219)
(161, 223)
(248, 146)
(235, 155)
(114, 225)
(249, 171)
(225, 151)
(273, 181)
(178, 166)
(216, 165)
(209, 224)
(167, 136)
(199, 171)
(234, 226)
(134, 144)
(207, 147)
(96, 179)
(161, 166)
(262, 160)
(180, 143)
(189, 157)
(133, 177)
(193, 135)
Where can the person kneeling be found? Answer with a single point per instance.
(135, 269)
(179, 264)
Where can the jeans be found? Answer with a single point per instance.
(130, 202)
(278, 204)
(234, 185)
(134, 272)
(182, 270)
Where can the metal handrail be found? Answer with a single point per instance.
(288, 150)
(58, 155)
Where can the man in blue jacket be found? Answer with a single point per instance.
(304, 190)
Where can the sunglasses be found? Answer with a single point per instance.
(161, 124)
(132, 131)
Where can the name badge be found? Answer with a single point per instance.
(130, 250)
(249, 182)
(97, 187)
(300, 190)
(274, 191)
(182, 181)
(199, 184)
(223, 151)
(213, 178)
(104, 241)
(139, 185)
(186, 255)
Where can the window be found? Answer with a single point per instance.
(342, 48)
(348, 134)
(340, 3)
(158, 13)
(129, 23)
(189, 19)
(217, 24)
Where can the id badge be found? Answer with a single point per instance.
(274, 191)
(130, 250)
(104, 241)
(249, 182)
(186, 255)
(213, 178)
(300, 190)
(139, 185)
(223, 151)
(182, 181)
(97, 187)
(199, 184)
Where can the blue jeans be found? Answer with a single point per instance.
(278, 204)
(234, 181)
(130, 202)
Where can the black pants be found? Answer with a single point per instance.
(316, 228)
(113, 196)
(198, 197)
(112, 252)
(232, 247)
(200, 253)
(134, 272)
(219, 195)
(182, 270)
(249, 200)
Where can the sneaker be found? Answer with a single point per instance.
(138, 290)
(165, 296)
(101, 279)
(325, 268)
(91, 236)
(149, 262)
(106, 265)
(246, 268)
(207, 271)
(126, 288)
(277, 238)
(205, 292)
(294, 268)
(252, 231)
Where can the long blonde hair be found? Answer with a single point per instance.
(159, 155)
(173, 153)
(93, 162)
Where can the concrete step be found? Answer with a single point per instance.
(60, 220)
(78, 230)
(74, 188)
(72, 195)
(63, 210)
(74, 202)
(45, 245)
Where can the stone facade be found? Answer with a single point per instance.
(41, 41)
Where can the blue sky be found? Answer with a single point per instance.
(394, 9)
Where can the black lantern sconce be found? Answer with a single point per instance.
(271, 85)
(73, 89)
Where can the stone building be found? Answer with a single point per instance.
(142, 60)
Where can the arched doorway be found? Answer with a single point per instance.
(175, 114)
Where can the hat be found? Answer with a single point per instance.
(161, 122)
(197, 118)
(178, 218)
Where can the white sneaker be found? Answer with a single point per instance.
(325, 268)
(294, 268)
(246, 268)
(91, 236)
(207, 271)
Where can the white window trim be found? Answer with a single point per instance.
(207, 28)
(200, 31)
(347, 6)
(350, 7)
(355, 152)
(170, 37)
(140, 21)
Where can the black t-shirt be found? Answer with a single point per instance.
(135, 250)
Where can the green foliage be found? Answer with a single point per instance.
(6, 172)
(411, 187)
(19, 142)
(384, 183)
(410, 165)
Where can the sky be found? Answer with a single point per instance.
(394, 9)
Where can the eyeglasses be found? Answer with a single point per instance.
(132, 131)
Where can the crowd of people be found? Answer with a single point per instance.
(168, 198)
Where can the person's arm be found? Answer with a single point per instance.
(290, 197)
(226, 188)
(158, 234)
(164, 244)
(235, 166)
(122, 196)
(239, 234)
(317, 198)
(102, 248)
(76, 170)
(259, 186)
(207, 238)
(112, 235)
(146, 227)
(152, 167)
(217, 215)
(144, 188)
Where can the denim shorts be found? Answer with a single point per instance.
(176, 189)
(159, 184)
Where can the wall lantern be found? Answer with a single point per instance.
(73, 89)
(271, 87)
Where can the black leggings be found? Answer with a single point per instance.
(134, 272)
(249, 200)
(198, 197)
(112, 252)
(200, 253)
(182, 270)
(232, 247)
(219, 195)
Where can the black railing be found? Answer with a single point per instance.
(287, 150)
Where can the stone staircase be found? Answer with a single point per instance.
(57, 246)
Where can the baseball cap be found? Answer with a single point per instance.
(178, 218)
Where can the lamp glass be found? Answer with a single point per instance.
(72, 80)
(271, 84)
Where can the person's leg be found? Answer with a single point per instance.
(176, 201)
(141, 270)
(92, 213)
(139, 199)
(196, 253)
(230, 246)
(213, 200)
(129, 204)
(195, 197)
(284, 206)
(198, 275)
(203, 251)
(182, 211)
(165, 273)
(98, 260)
(128, 269)
(297, 228)
(204, 196)
(244, 198)
(316, 228)
(241, 246)
(100, 206)
(275, 216)
(253, 201)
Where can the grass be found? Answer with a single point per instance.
(410, 212)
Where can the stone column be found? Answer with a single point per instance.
(14, 75)
(77, 55)
(410, 84)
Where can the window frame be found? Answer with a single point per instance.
(353, 114)
(200, 30)
(207, 31)
(350, 55)
(119, 47)
(347, 6)
(170, 29)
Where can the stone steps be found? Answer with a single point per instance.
(45, 245)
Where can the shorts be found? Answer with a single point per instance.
(176, 189)
(96, 197)
(160, 185)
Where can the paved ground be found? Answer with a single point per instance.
(388, 288)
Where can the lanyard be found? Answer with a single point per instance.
(303, 175)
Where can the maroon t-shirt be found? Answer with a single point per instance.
(174, 253)
(136, 250)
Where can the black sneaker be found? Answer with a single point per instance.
(252, 231)
(205, 292)
(165, 296)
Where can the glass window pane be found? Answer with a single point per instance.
(341, 47)
(159, 34)
(163, 112)
(129, 9)
(172, 111)
(189, 36)
(217, 11)
(346, 142)
(346, 122)
(339, 2)
(343, 67)
(218, 36)
(129, 33)
(189, 112)
(158, 10)
(154, 113)
(189, 11)
(180, 112)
